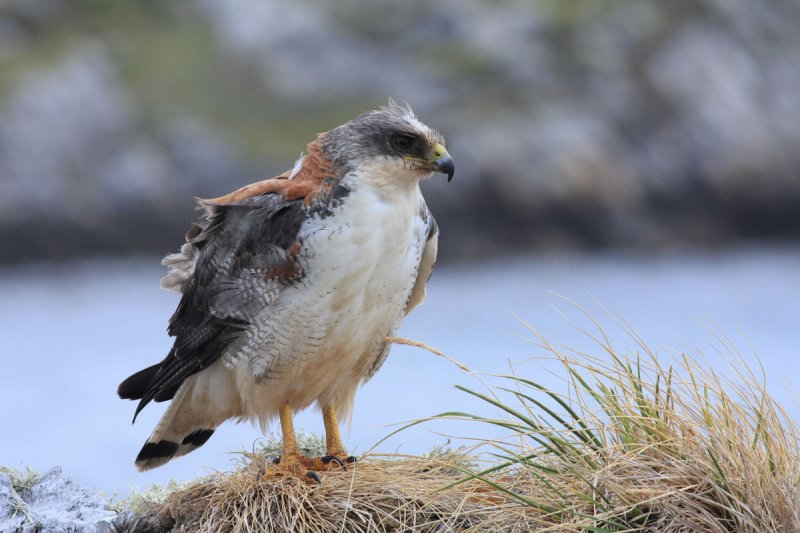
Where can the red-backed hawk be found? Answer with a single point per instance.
(291, 286)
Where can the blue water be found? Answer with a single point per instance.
(70, 333)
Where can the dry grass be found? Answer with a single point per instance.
(630, 446)
(376, 494)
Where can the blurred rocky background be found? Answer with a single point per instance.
(573, 124)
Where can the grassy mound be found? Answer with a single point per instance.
(377, 494)
(630, 445)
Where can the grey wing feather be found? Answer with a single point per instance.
(426, 264)
(232, 253)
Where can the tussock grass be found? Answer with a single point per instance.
(21, 480)
(633, 445)
(143, 500)
(381, 493)
(310, 444)
(630, 444)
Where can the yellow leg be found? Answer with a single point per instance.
(292, 461)
(287, 430)
(333, 439)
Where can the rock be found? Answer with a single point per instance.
(54, 503)
(55, 126)
(572, 123)
(75, 161)
(13, 511)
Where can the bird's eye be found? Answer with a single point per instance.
(403, 141)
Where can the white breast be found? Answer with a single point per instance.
(323, 335)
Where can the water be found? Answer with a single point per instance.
(71, 333)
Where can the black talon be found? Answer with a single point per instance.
(313, 475)
(328, 458)
(350, 459)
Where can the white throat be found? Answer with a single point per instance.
(384, 177)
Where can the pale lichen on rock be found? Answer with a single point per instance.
(50, 502)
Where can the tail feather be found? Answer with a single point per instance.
(133, 387)
(202, 403)
(154, 454)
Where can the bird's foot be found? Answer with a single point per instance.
(306, 467)
(332, 461)
(294, 464)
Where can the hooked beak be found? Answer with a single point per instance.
(443, 162)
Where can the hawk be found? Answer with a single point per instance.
(290, 287)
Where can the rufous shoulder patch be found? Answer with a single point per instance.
(307, 182)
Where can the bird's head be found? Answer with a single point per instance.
(390, 145)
